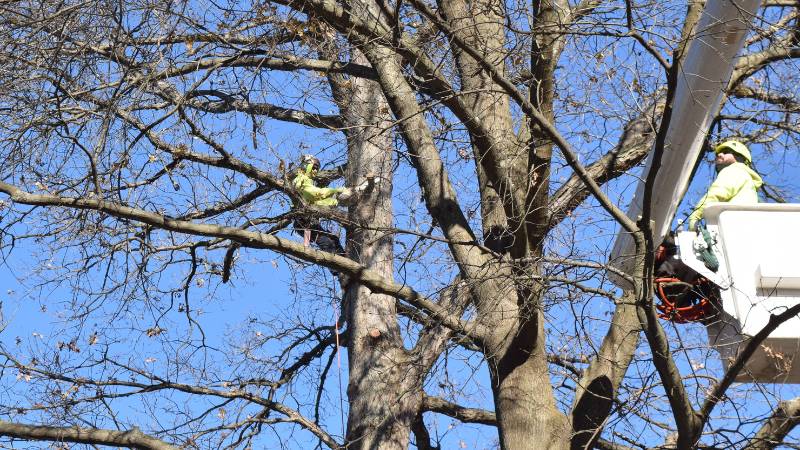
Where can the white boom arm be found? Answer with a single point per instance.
(705, 74)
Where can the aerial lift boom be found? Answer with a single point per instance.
(757, 275)
(705, 73)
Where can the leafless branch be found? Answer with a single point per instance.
(131, 439)
(466, 415)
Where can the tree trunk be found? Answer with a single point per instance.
(597, 389)
(480, 24)
(382, 410)
(526, 411)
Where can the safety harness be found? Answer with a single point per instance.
(685, 296)
(699, 309)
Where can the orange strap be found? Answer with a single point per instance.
(684, 314)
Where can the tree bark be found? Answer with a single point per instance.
(524, 401)
(596, 391)
(782, 421)
(133, 438)
(480, 25)
(382, 408)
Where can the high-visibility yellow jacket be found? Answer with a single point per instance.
(736, 183)
(312, 194)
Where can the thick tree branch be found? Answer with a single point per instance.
(603, 444)
(782, 3)
(749, 64)
(282, 63)
(598, 387)
(440, 197)
(421, 434)
(686, 418)
(545, 125)
(228, 103)
(433, 177)
(693, 14)
(131, 439)
(773, 432)
(744, 355)
(466, 415)
(430, 80)
(788, 103)
(357, 272)
(634, 145)
(583, 9)
(434, 337)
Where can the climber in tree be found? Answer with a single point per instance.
(310, 227)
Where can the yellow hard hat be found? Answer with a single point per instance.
(309, 163)
(734, 147)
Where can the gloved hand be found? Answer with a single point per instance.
(699, 243)
(344, 195)
(362, 187)
(351, 196)
(367, 185)
(702, 246)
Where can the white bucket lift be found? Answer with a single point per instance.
(705, 73)
(758, 276)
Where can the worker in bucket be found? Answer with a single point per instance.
(736, 181)
(310, 227)
(687, 296)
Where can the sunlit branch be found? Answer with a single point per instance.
(228, 103)
(463, 414)
(747, 65)
(603, 444)
(781, 3)
(772, 433)
(282, 63)
(357, 272)
(789, 103)
(131, 439)
(718, 391)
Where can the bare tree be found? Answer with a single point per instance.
(147, 154)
